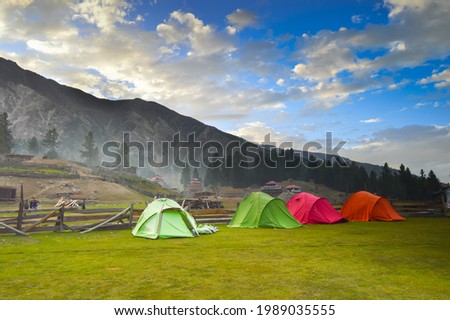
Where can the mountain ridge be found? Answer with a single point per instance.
(37, 104)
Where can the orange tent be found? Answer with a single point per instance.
(365, 206)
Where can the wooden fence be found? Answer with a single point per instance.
(61, 219)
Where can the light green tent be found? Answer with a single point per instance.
(261, 210)
(164, 218)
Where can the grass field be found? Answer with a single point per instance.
(405, 260)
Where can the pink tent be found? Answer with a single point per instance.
(310, 209)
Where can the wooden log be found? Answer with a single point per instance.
(106, 221)
(81, 218)
(13, 229)
(69, 228)
(91, 211)
(41, 220)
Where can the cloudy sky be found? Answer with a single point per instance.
(374, 73)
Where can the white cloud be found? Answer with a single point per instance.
(103, 14)
(398, 85)
(231, 30)
(201, 39)
(22, 20)
(261, 133)
(416, 33)
(440, 80)
(357, 19)
(374, 120)
(48, 47)
(241, 19)
(417, 147)
(280, 82)
(399, 6)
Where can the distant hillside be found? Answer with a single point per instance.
(81, 183)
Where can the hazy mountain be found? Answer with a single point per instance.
(36, 104)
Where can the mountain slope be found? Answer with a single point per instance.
(36, 104)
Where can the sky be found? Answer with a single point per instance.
(376, 74)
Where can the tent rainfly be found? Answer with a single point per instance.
(310, 209)
(164, 218)
(261, 210)
(365, 206)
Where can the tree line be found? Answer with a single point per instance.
(273, 164)
(334, 172)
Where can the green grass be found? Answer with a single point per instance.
(36, 171)
(375, 260)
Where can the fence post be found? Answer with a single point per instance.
(444, 203)
(20, 213)
(61, 219)
(130, 222)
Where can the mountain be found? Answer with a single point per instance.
(36, 104)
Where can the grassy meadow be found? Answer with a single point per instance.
(375, 260)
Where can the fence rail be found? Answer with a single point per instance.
(61, 219)
(78, 220)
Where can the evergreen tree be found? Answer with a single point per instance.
(33, 145)
(409, 185)
(433, 183)
(50, 143)
(402, 185)
(373, 182)
(421, 187)
(185, 176)
(386, 181)
(6, 137)
(89, 151)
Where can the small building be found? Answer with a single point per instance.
(8, 194)
(272, 188)
(293, 189)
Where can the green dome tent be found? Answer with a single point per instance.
(164, 218)
(261, 210)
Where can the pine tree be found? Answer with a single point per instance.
(386, 181)
(433, 183)
(89, 151)
(33, 145)
(50, 143)
(6, 137)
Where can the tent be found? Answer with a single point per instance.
(164, 218)
(261, 210)
(365, 206)
(310, 209)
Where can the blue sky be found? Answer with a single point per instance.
(374, 73)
